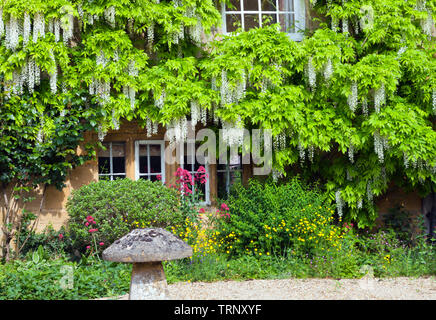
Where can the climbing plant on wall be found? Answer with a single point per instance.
(353, 104)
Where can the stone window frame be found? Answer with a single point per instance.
(162, 152)
(299, 16)
(111, 174)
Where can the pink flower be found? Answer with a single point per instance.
(101, 243)
(159, 177)
(201, 210)
(224, 207)
(61, 236)
(87, 224)
(88, 247)
(93, 230)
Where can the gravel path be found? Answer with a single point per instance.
(307, 289)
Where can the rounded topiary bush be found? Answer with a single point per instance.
(101, 212)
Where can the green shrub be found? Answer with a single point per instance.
(269, 218)
(113, 208)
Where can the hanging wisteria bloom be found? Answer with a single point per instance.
(311, 152)
(427, 24)
(57, 29)
(196, 31)
(53, 75)
(2, 23)
(12, 33)
(195, 113)
(68, 29)
(224, 89)
(405, 160)
(101, 132)
(27, 29)
(379, 97)
(38, 26)
(302, 153)
(159, 102)
(345, 26)
(379, 146)
(276, 174)
(351, 153)
(369, 193)
(311, 73)
(328, 70)
(109, 15)
(339, 202)
(155, 127)
(360, 204)
(352, 98)
(203, 116)
(150, 35)
(149, 127)
(365, 106)
(335, 24)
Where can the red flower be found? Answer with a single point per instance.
(159, 177)
(201, 210)
(101, 243)
(88, 247)
(93, 230)
(61, 236)
(87, 224)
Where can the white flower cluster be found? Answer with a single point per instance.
(131, 92)
(159, 102)
(40, 135)
(101, 132)
(177, 130)
(328, 70)
(12, 33)
(38, 26)
(100, 88)
(349, 178)
(279, 142)
(276, 174)
(28, 75)
(311, 74)
(68, 29)
(301, 152)
(229, 95)
(109, 15)
(195, 113)
(233, 134)
(427, 24)
(359, 204)
(351, 153)
(53, 75)
(203, 116)
(311, 152)
(352, 98)
(369, 193)
(345, 26)
(2, 23)
(196, 31)
(380, 145)
(27, 29)
(150, 35)
(115, 121)
(335, 24)
(379, 97)
(365, 106)
(405, 160)
(339, 202)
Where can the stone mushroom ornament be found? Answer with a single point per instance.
(146, 249)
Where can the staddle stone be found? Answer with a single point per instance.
(146, 249)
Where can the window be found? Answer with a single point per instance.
(227, 174)
(191, 163)
(149, 160)
(250, 14)
(112, 161)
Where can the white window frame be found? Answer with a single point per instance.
(299, 14)
(111, 173)
(206, 166)
(162, 153)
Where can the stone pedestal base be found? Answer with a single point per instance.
(148, 282)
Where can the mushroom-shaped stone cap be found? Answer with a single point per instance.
(147, 245)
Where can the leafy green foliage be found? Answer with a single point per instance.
(117, 207)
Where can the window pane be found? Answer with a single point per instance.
(287, 22)
(222, 191)
(117, 149)
(268, 5)
(119, 164)
(268, 19)
(251, 5)
(233, 22)
(143, 177)
(119, 177)
(154, 178)
(236, 5)
(143, 155)
(251, 21)
(155, 159)
(286, 5)
(103, 165)
(104, 178)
